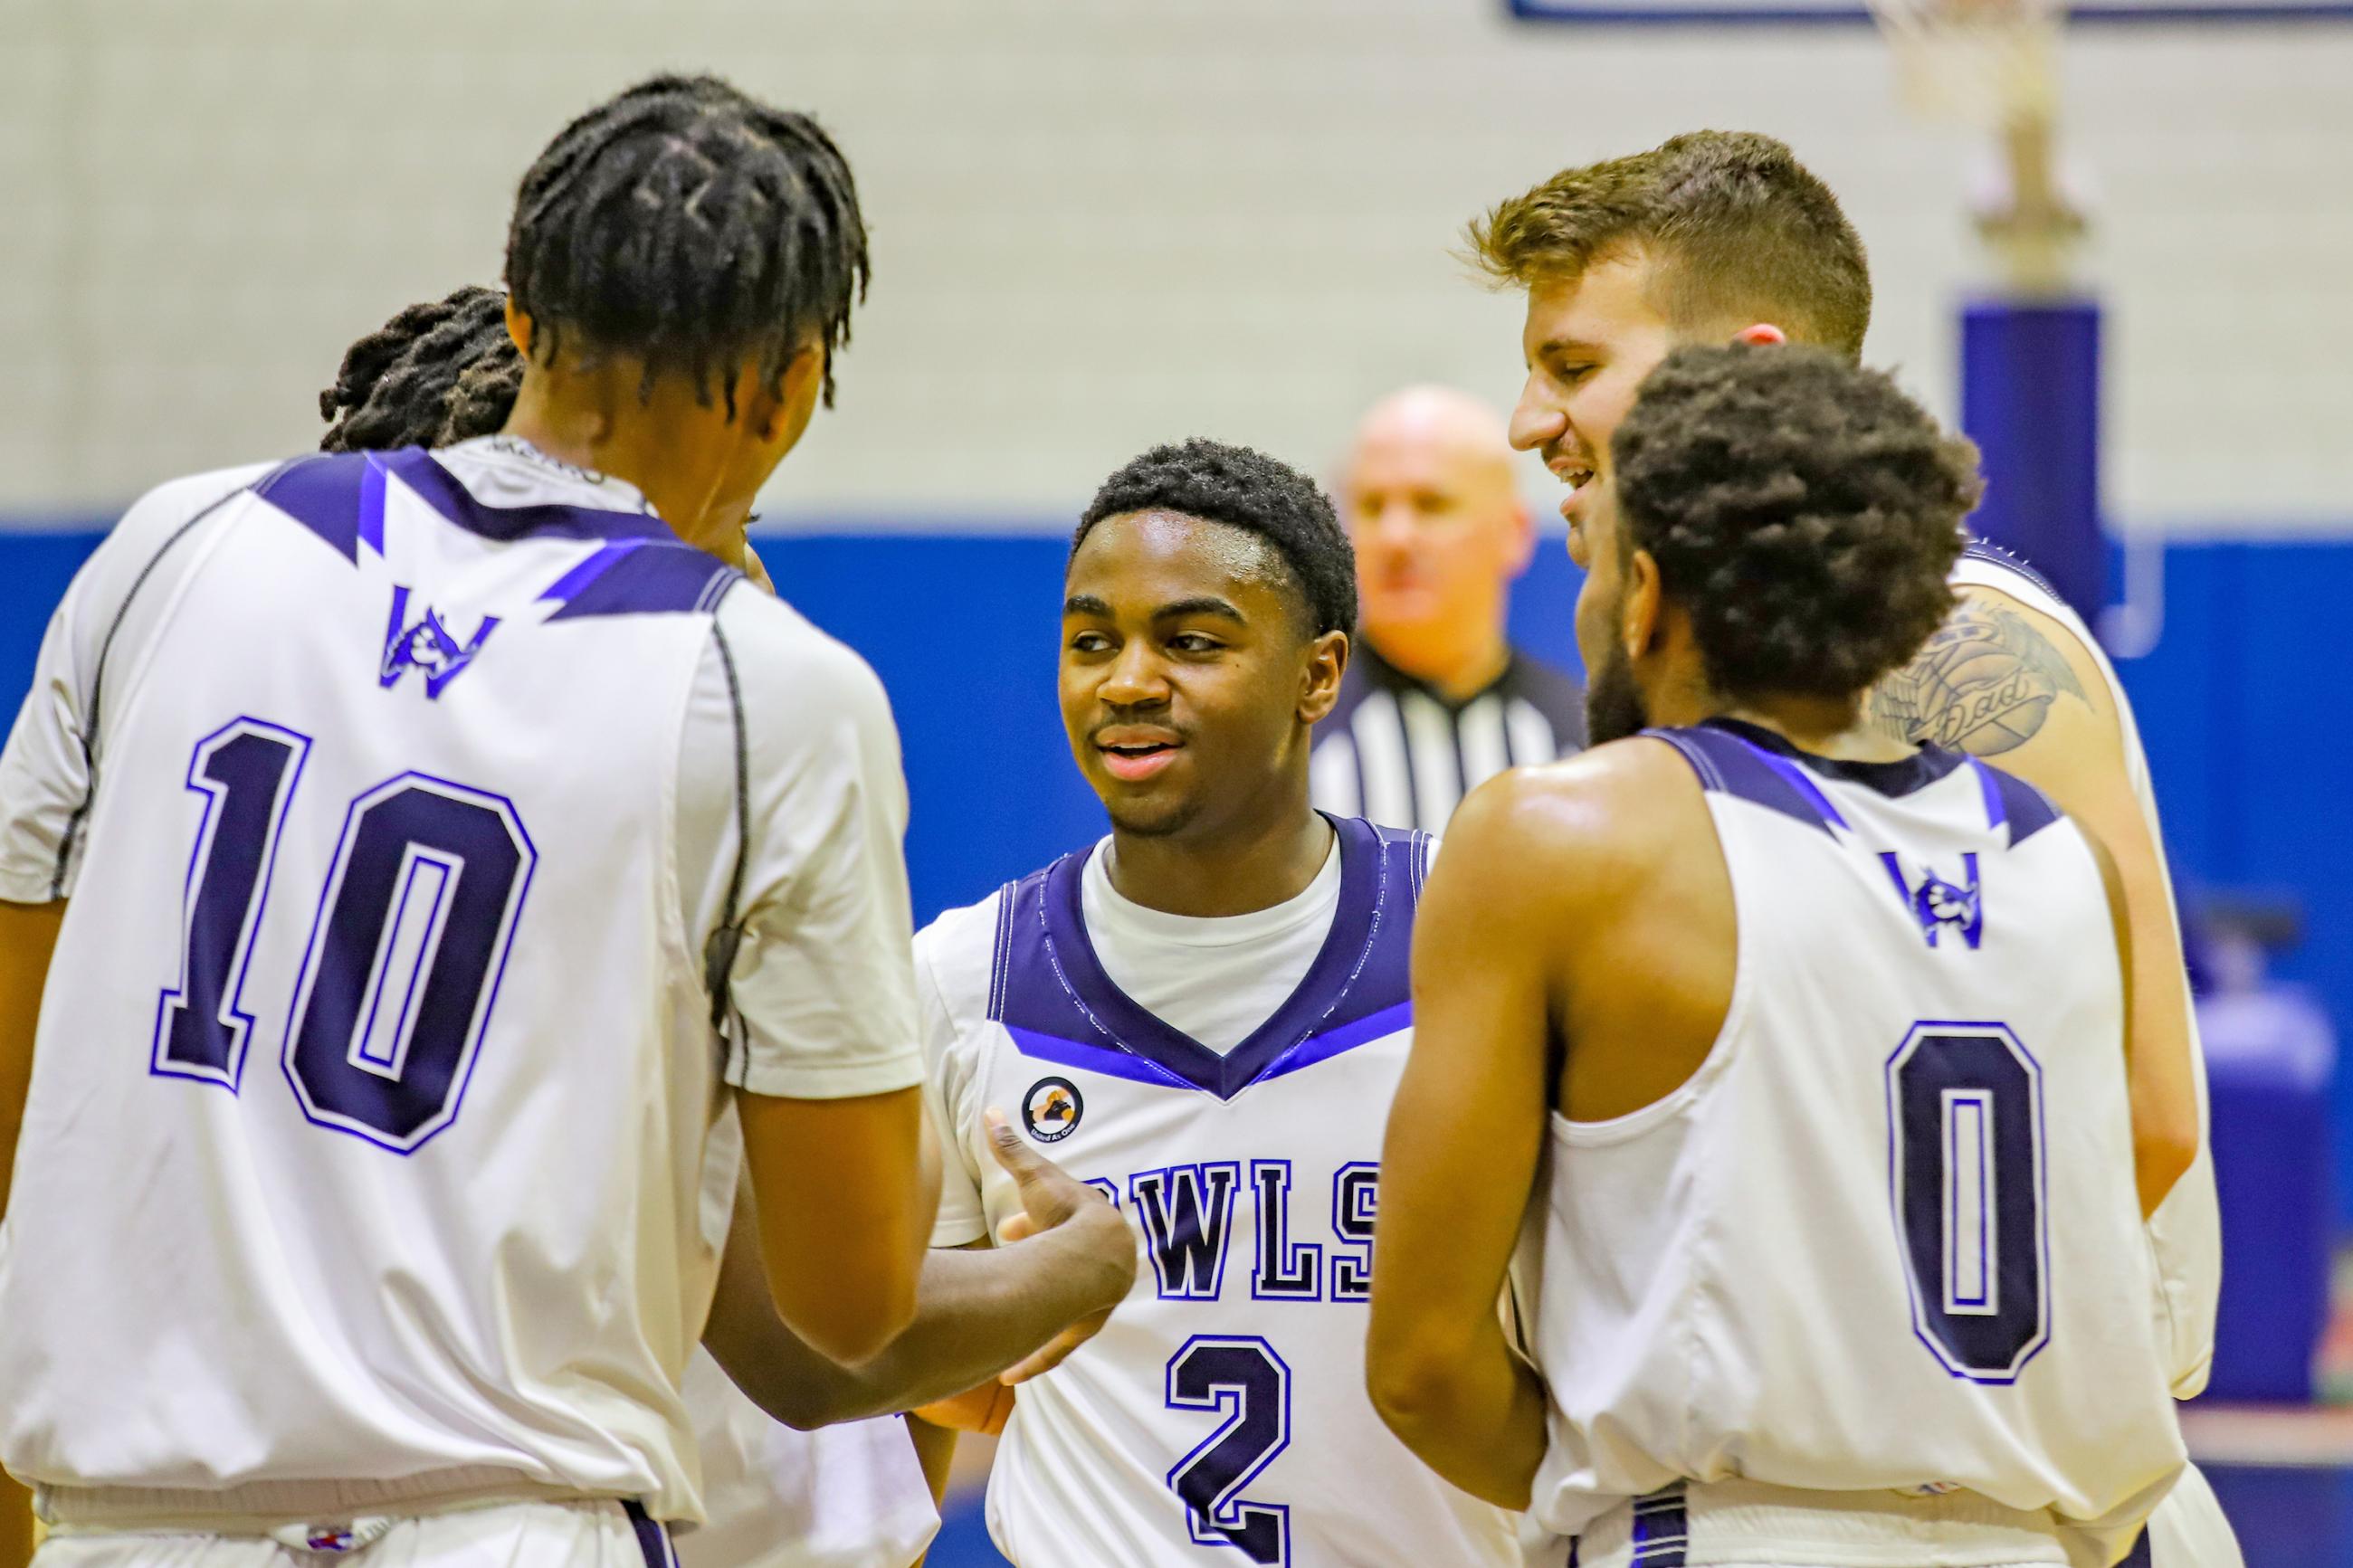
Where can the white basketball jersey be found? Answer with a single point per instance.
(2187, 1228)
(1220, 1417)
(851, 1496)
(1886, 1241)
(371, 1113)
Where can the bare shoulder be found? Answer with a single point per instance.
(1577, 830)
(1992, 678)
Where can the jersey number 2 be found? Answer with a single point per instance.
(1242, 1377)
(404, 953)
(1964, 1144)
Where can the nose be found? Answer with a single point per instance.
(1394, 526)
(1536, 420)
(1134, 678)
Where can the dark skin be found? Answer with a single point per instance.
(1190, 681)
(1186, 638)
(1575, 952)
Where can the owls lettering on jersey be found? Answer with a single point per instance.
(1887, 1239)
(1220, 1415)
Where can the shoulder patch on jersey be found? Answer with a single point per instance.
(2010, 800)
(643, 577)
(325, 493)
(1050, 993)
(1726, 764)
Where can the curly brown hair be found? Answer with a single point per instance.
(1804, 511)
(1739, 231)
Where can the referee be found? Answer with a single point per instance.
(1436, 699)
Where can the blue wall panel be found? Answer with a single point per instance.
(2249, 728)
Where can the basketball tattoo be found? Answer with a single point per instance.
(1983, 684)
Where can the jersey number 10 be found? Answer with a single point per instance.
(405, 951)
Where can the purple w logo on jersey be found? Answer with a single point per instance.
(426, 645)
(1940, 906)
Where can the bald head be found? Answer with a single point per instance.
(1435, 514)
(1466, 434)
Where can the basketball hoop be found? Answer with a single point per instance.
(1993, 66)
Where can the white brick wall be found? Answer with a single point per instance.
(1100, 224)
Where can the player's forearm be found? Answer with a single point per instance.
(936, 1448)
(981, 1313)
(29, 938)
(15, 1523)
(1467, 1408)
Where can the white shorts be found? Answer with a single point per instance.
(509, 1535)
(1745, 1524)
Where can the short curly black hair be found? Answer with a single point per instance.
(689, 223)
(1805, 512)
(1250, 490)
(440, 372)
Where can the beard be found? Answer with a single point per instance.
(1613, 703)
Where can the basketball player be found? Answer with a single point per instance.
(359, 1196)
(1436, 700)
(1774, 972)
(1204, 1015)
(848, 1496)
(1717, 234)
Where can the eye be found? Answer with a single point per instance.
(1572, 374)
(1194, 642)
(1089, 642)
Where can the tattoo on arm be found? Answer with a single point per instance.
(1983, 684)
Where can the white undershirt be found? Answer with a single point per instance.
(1214, 979)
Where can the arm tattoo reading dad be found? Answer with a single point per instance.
(1983, 684)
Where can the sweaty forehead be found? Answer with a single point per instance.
(1138, 560)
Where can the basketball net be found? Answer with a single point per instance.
(1993, 66)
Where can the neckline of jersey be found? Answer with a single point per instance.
(1893, 780)
(1363, 890)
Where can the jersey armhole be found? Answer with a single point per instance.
(93, 726)
(1717, 1058)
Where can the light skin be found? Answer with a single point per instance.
(1190, 682)
(1434, 512)
(1574, 946)
(1575, 952)
(1587, 341)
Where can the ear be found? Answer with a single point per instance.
(518, 329)
(1641, 607)
(771, 411)
(1764, 334)
(1327, 662)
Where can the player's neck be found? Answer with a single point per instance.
(1234, 872)
(644, 452)
(1826, 727)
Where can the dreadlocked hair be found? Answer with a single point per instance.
(688, 225)
(440, 372)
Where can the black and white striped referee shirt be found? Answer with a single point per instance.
(1397, 753)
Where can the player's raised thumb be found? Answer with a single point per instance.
(1022, 1163)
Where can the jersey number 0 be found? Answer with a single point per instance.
(402, 963)
(1965, 1147)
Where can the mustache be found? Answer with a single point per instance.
(1137, 717)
